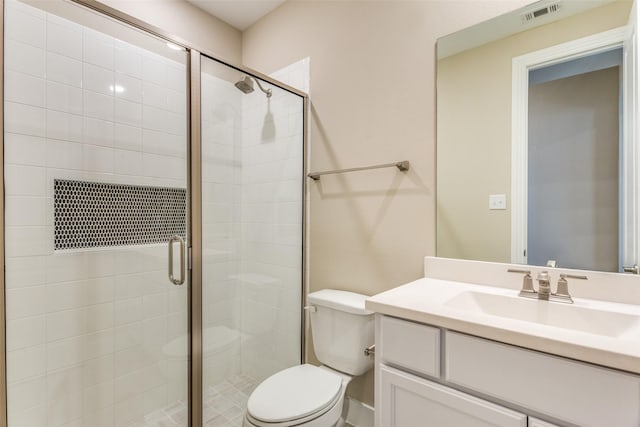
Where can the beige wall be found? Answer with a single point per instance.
(474, 134)
(179, 18)
(373, 101)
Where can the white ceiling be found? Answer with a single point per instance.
(240, 14)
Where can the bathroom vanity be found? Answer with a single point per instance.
(451, 350)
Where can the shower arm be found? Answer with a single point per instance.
(266, 91)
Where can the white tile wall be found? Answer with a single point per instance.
(64, 37)
(24, 88)
(128, 59)
(27, 27)
(24, 119)
(86, 330)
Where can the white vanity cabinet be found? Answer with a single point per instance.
(408, 401)
(435, 377)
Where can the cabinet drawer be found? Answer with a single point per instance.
(409, 401)
(410, 345)
(567, 390)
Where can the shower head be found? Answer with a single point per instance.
(246, 85)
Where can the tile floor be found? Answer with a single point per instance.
(224, 406)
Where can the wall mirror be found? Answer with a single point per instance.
(536, 143)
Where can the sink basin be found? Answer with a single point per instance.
(565, 316)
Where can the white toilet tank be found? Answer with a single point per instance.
(341, 329)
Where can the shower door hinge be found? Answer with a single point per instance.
(189, 257)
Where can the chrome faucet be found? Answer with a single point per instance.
(544, 286)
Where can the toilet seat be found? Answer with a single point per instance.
(294, 396)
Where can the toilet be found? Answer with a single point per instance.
(313, 396)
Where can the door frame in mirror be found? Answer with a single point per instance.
(521, 66)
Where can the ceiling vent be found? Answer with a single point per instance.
(539, 13)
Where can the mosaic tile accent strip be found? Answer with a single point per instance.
(97, 214)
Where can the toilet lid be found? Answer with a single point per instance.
(294, 393)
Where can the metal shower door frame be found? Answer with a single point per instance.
(3, 311)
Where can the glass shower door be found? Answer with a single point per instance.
(252, 186)
(95, 141)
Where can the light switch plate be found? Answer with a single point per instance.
(497, 201)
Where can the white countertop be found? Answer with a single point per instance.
(428, 301)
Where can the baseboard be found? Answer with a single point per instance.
(359, 414)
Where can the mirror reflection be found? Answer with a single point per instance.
(536, 157)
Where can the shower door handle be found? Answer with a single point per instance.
(172, 240)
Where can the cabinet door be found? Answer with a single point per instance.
(410, 401)
(534, 422)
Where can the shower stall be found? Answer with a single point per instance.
(153, 223)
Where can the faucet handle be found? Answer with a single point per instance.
(562, 291)
(527, 281)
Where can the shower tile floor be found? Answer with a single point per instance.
(224, 406)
